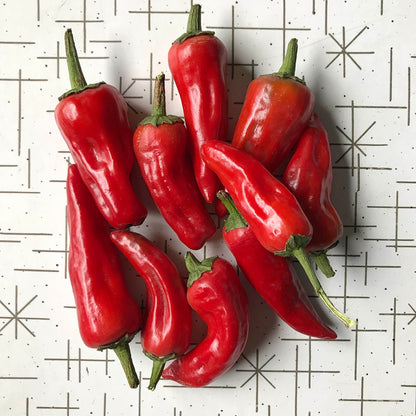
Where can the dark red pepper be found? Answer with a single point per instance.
(108, 315)
(161, 144)
(166, 332)
(270, 209)
(276, 110)
(217, 296)
(94, 123)
(309, 177)
(198, 62)
(274, 277)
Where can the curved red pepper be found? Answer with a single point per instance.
(270, 209)
(309, 176)
(276, 110)
(108, 316)
(198, 63)
(217, 296)
(166, 333)
(161, 144)
(273, 277)
(93, 121)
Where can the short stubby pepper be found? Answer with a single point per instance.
(217, 296)
(166, 333)
(270, 209)
(273, 277)
(94, 123)
(276, 110)
(108, 315)
(161, 144)
(308, 175)
(198, 62)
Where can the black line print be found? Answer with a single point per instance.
(20, 80)
(14, 314)
(84, 21)
(344, 52)
(234, 28)
(150, 12)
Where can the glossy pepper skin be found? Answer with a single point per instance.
(108, 315)
(217, 296)
(94, 123)
(198, 61)
(270, 209)
(276, 110)
(166, 333)
(161, 145)
(309, 177)
(273, 277)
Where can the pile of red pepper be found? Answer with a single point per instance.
(187, 165)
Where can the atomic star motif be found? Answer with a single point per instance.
(15, 315)
(344, 51)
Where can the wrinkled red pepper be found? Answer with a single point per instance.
(217, 296)
(309, 177)
(273, 277)
(276, 110)
(108, 315)
(270, 209)
(161, 145)
(198, 62)
(166, 333)
(94, 123)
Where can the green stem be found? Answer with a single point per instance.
(157, 368)
(194, 19)
(194, 26)
(159, 99)
(322, 261)
(158, 115)
(196, 268)
(289, 62)
(74, 68)
(303, 259)
(123, 353)
(234, 219)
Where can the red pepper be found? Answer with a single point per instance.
(276, 110)
(161, 144)
(270, 209)
(309, 176)
(108, 316)
(166, 333)
(198, 63)
(217, 296)
(274, 277)
(94, 123)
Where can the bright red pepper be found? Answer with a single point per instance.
(166, 333)
(270, 209)
(93, 121)
(217, 296)
(276, 110)
(161, 144)
(274, 277)
(309, 177)
(198, 62)
(108, 315)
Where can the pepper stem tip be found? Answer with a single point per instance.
(321, 260)
(76, 75)
(194, 19)
(122, 351)
(303, 259)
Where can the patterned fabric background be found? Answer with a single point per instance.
(359, 60)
